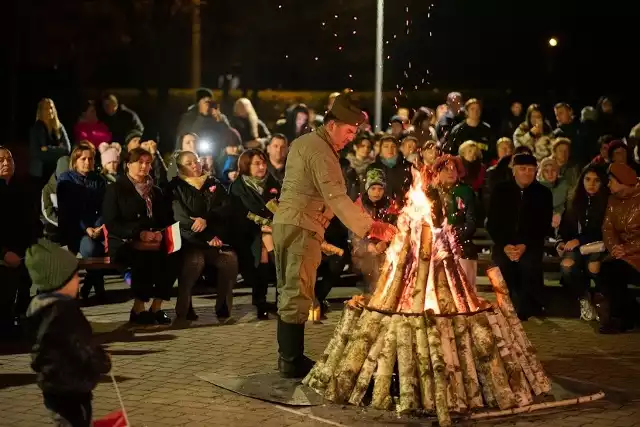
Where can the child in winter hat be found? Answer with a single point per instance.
(67, 363)
(110, 158)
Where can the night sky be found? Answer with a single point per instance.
(67, 46)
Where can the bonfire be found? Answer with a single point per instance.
(425, 341)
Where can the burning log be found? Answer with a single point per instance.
(364, 378)
(506, 307)
(386, 363)
(439, 371)
(470, 291)
(450, 270)
(425, 373)
(409, 390)
(424, 264)
(390, 299)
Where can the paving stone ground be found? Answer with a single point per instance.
(156, 370)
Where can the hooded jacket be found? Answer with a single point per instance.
(64, 357)
(622, 224)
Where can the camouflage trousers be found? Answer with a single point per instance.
(298, 256)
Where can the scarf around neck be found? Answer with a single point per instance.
(144, 190)
(255, 183)
(195, 182)
(391, 162)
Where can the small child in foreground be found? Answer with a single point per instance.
(68, 364)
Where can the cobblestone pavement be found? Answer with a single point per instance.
(156, 369)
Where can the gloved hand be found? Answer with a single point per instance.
(382, 231)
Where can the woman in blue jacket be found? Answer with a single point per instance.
(80, 192)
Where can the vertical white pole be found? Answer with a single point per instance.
(379, 65)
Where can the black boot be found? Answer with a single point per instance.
(292, 362)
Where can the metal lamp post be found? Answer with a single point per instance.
(379, 65)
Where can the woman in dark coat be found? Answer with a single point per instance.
(80, 192)
(48, 141)
(580, 225)
(251, 191)
(203, 208)
(135, 213)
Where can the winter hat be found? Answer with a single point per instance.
(623, 174)
(614, 145)
(345, 110)
(398, 119)
(50, 266)
(109, 152)
(447, 160)
(524, 159)
(545, 162)
(375, 176)
(132, 134)
(203, 92)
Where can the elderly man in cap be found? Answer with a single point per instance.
(617, 309)
(312, 193)
(520, 214)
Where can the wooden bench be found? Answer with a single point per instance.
(99, 263)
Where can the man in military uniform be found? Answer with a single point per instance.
(312, 193)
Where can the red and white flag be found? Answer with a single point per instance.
(172, 238)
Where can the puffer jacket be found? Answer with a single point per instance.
(210, 202)
(64, 357)
(622, 224)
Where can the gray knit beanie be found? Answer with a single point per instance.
(50, 266)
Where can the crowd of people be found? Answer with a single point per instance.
(104, 189)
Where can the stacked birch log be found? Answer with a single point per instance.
(451, 351)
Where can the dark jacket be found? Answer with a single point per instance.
(278, 174)
(188, 120)
(399, 178)
(247, 200)
(520, 216)
(79, 204)
(20, 224)
(124, 213)
(121, 123)
(45, 149)
(159, 171)
(243, 126)
(287, 126)
(447, 122)
(355, 186)
(579, 149)
(64, 357)
(462, 132)
(584, 224)
(210, 202)
(459, 207)
(496, 175)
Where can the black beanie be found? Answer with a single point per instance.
(524, 159)
(203, 92)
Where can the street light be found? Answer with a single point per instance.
(553, 42)
(379, 65)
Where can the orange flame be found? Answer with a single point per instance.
(416, 212)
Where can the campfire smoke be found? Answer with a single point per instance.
(451, 351)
